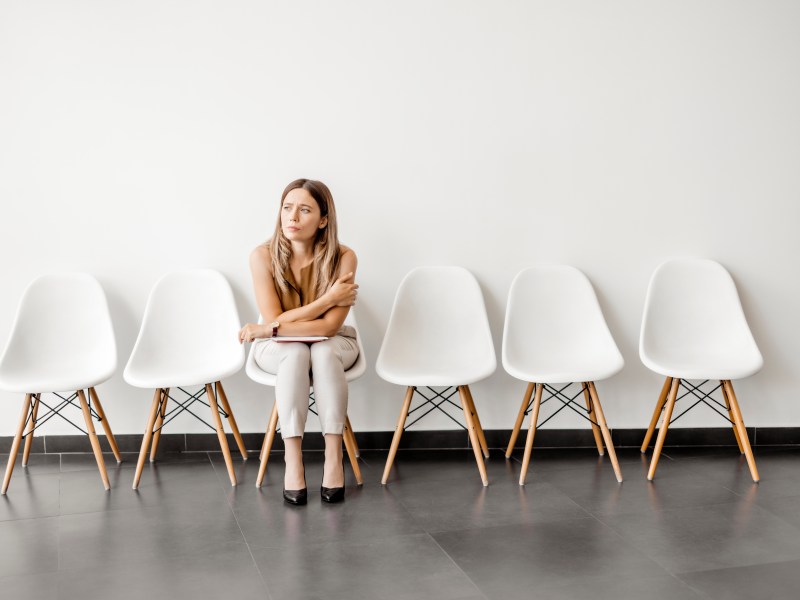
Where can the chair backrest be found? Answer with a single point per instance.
(693, 311)
(188, 333)
(438, 330)
(554, 325)
(62, 334)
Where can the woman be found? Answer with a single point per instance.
(305, 285)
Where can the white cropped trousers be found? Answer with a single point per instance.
(296, 365)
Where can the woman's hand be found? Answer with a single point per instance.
(253, 331)
(343, 292)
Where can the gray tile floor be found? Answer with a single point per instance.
(701, 530)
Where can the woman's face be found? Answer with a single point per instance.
(300, 216)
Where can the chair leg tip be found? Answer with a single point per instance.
(649, 478)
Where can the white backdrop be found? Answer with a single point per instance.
(141, 137)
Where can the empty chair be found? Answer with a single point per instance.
(258, 375)
(555, 334)
(187, 339)
(61, 341)
(694, 328)
(438, 336)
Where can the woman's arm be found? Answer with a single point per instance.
(324, 316)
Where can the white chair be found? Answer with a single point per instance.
(62, 339)
(694, 328)
(258, 375)
(438, 336)
(554, 334)
(188, 338)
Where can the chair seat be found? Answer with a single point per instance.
(573, 368)
(725, 365)
(178, 371)
(445, 373)
(37, 378)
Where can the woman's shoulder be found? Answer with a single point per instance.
(261, 257)
(346, 251)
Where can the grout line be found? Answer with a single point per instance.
(244, 538)
(456, 565)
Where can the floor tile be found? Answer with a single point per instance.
(402, 567)
(603, 495)
(219, 571)
(663, 587)
(463, 504)
(29, 546)
(510, 561)
(771, 581)
(30, 496)
(124, 537)
(708, 537)
(41, 586)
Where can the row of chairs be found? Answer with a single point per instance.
(438, 337)
(555, 336)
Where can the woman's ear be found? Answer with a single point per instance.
(323, 222)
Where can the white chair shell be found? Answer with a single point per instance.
(554, 329)
(62, 337)
(694, 326)
(438, 332)
(188, 334)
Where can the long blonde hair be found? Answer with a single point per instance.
(326, 244)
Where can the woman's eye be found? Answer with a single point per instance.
(305, 211)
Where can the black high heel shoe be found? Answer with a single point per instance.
(334, 494)
(297, 497)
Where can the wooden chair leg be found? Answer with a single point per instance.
(162, 413)
(12, 457)
(106, 425)
(355, 444)
(223, 399)
(730, 414)
(598, 440)
(477, 420)
(267, 446)
(29, 433)
(398, 432)
(662, 400)
(601, 420)
(737, 415)
(473, 433)
(526, 457)
(98, 452)
(520, 417)
(662, 432)
(148, 434)
(349, 445)
(223, 441)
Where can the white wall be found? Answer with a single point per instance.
(141, 137)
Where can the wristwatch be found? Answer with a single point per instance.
(274, 326)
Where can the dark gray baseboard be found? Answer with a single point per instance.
(439, 439)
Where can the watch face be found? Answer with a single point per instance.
(274, 324)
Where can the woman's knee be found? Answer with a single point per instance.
(296, 352)
(325, 352)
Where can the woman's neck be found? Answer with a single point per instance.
(302, 252)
